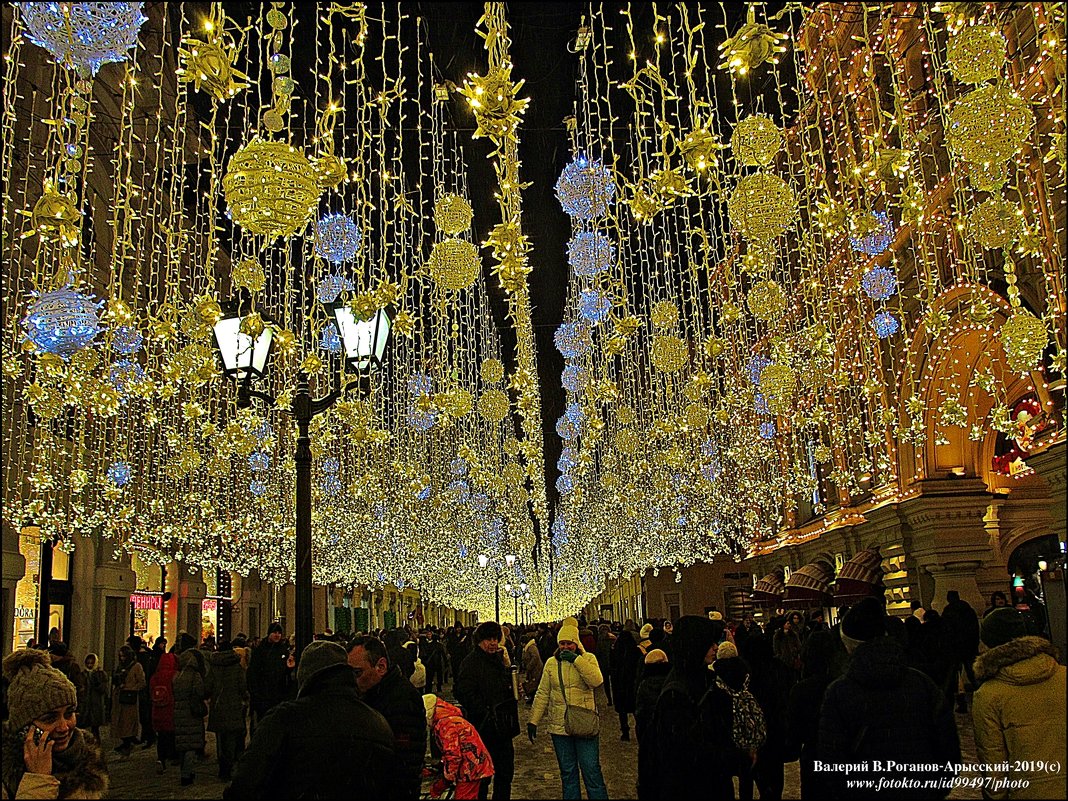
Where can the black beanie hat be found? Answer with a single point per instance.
(1003, 624)
(865, 621)
(276, 626)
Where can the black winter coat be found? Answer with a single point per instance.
(225, 687)
(395, 699)
(268, 675)
(653, 678)
(326, 744)
(484, 689)
(626, 660)
(802, 731)
(961, 627)
(189, 706)
(881, 709)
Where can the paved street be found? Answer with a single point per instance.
(536, 775)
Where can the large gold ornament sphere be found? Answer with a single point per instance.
(271, 188)
(664, 314)
(988, 127)
(976, 53)
(756, 140)
(493, 405)
(766, 300)
(492, 371)
(627, 441)
(454, 264)
(995, 223)
(669, 354)
(777, 385)
(55, 217)
(761, 207)
(452, 214)
(1024, 337)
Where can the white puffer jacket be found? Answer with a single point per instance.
(581, 678)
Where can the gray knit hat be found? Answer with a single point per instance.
(319, 657)
(36, 687)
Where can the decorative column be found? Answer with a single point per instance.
(12, 569)
(191, 593)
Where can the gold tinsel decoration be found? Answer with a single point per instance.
(755, 141)
(493, 405)
(211, 63)
(56, 217)
(669, 354)
(664, 314)
(995, 223)
(766, 300)
(754, 44)
(454, 264)
(271, 188)
(493, 100)
(700, 149)
(777, 384)
(1024, 337)
(452, 214)
(627, 441)
(761, 207)
(989, 126)
(976, 53)
(248, 273)
(492, 371)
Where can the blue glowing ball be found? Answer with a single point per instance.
(594, 306)
(330, 485)
(425, 493)
(574, 378)
(420, 420)
(573, 340)
(590, 253)
(879, 283)
(458, 467)
(84, 36)
(120, 473)
(480, 502)
(379, 510)
(712, 470)
(257, 488)
(878, 241)
(885, 325)
(575, 414)
(566, 429)
(585, 188)
(681, 522)
(331, 465)
(760, 404)
(126, 340)
(559, 527)
(463, 550)
(337, 238)
(125, 372)
(767, 429)
(460, 490)
(756, 367)
(331, 341)
(565, 483)
(62, 322)
(259, 461)
(331, 287)
(567, 460)
(263, 432)
(420, 384)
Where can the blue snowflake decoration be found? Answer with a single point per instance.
(480, 502)
(594, 306)
(120, 473)
(885, 325)
(263, 432)
(420, 384)
(462, 549)
(575, 413)
(574, 378)
(567, 460)
(259, 461)
(331, 287)
(424, 493)
(458, 467)
(879, 283)
(62, 322)
(84, 36)
(459, 490)
(585, 188)
(330, 485)
(337, 238)
(257, 488)
(573, 340)
(590, 253)
(126, 340)
(712, 470)
(331, 341)
(756, 367)
(566, 429)
(565, 483)
(878, 241)
(331, 465)
(760, 404)
(767, 429)
(125, 372)
(420, 420)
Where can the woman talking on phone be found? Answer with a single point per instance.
(45, 755)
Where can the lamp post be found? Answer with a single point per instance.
(484, 562)
(245, 359)
(516, 593)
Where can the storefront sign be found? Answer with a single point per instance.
(153, 603)
(209, 605)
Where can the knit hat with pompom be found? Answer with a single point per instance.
(35, 687)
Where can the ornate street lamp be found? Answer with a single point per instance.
(245, 360)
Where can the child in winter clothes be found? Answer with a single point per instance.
(465, 762)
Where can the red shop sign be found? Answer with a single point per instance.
(152, 603)
(209, 605)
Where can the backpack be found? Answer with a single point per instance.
(162, 694)
(748, 729)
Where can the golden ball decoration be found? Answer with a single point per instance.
(514, 474)
(696, 415)
(625, 415)
(609, 480)
(271, 188)
(493, 405)
(55, 217)
(452, 214)
(700, 149)
(995, 223)
(248, 274)
(761, 207)
(492, 371)
(331, 170)
(989, 126)
(822, 454)
(766, 300)
(756, 140)
(627, 441)
(454, 264)
(777, 385)
(976, 53)
(669, 354)
(664, 314)
(1024, 337)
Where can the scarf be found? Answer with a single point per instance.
(79, 767)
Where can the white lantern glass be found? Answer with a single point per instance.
(241, 354)
(364, 342)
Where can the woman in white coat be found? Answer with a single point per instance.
(579, 675)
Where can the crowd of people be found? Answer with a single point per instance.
(715, 705)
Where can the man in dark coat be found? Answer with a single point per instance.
(626, 659)
(325, 744)
(225, 686)
(882, 710)
(431, 653)
(960, 624)
(691, 744)
(770, 681)
(803, 710)
(483, 687)
(268, 674)
(147, 660)
(385, 689)
(654, 674)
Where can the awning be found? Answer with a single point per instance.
(811, 584)
(861, 577)
(770, 589)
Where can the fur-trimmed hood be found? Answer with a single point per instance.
(81, 768)
(1025, 660)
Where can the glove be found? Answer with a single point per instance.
(532, 732)
(567, 656)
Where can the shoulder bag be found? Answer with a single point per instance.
(578, 721)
